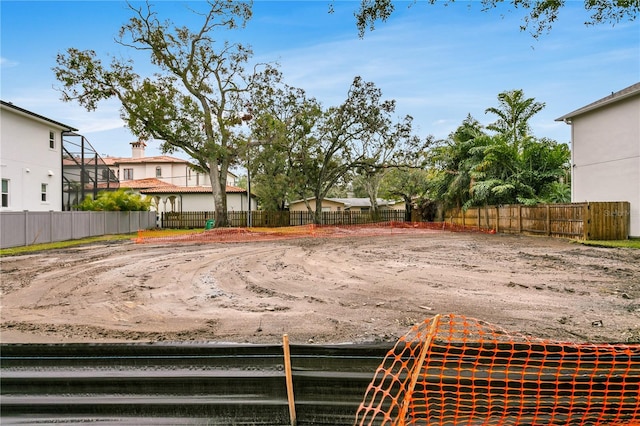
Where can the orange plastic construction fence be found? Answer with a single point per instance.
(231, 235)
(452, 370)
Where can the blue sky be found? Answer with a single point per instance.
(438, 62)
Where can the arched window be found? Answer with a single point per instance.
(158, 171)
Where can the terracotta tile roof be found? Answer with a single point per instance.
(632, 90)
(142, 160)
(103, 185)
(77, 161)
(110, 161)
(146, 183)
(174, 189)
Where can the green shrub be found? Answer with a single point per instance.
(118, 201)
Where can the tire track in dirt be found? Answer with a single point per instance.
(322, 290)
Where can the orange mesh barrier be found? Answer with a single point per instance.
(451, 370)
(223, 235)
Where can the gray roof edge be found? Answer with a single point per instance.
(33, 114)
(627, 92)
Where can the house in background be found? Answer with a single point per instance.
(194, 198)
(30, 160)
(171, 170)
(360, 205)
(172, 183)
(605, 151)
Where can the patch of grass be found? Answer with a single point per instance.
(633, 243)
(155, 233)
(63, 244)
(73, 243)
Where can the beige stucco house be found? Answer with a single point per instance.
(605, 151)
(345, 204)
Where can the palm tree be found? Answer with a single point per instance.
(514, 114)
(452, 162)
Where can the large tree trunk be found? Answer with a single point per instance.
(317, 215)
(371, 185)
(408, 207)
(219, 191)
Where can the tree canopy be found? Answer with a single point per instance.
(305, 150)
(473, 167)
(196, 102)
(540, 15)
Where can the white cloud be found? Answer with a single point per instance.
(7, 63)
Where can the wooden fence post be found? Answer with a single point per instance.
(586, 221)
(289, 380)
(497, 219)
(519, 219)
(548, 219)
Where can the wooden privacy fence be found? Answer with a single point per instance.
(269, 219)
(585, 221)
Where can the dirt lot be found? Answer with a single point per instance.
(319, 290)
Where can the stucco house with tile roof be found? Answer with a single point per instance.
(173, 183)
(167, 197)
(171, 170)
(173, 198)
(605, 151)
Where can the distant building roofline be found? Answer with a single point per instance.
(168, 189)
(625, 93)
(23, 111)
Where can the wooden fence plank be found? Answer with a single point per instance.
(268, 219)
(588, 221)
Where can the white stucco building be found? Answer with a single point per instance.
(195, 199)
(171, 170)
(605, 151)
(172, 183)
(30, 160)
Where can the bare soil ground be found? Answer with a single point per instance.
(359, 289)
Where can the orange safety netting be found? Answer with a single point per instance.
(302, 231)
(452, 370)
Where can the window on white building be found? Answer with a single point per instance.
(43, 192)
(52, 140)
(5, 192)
(158, 171)
(127, 174)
